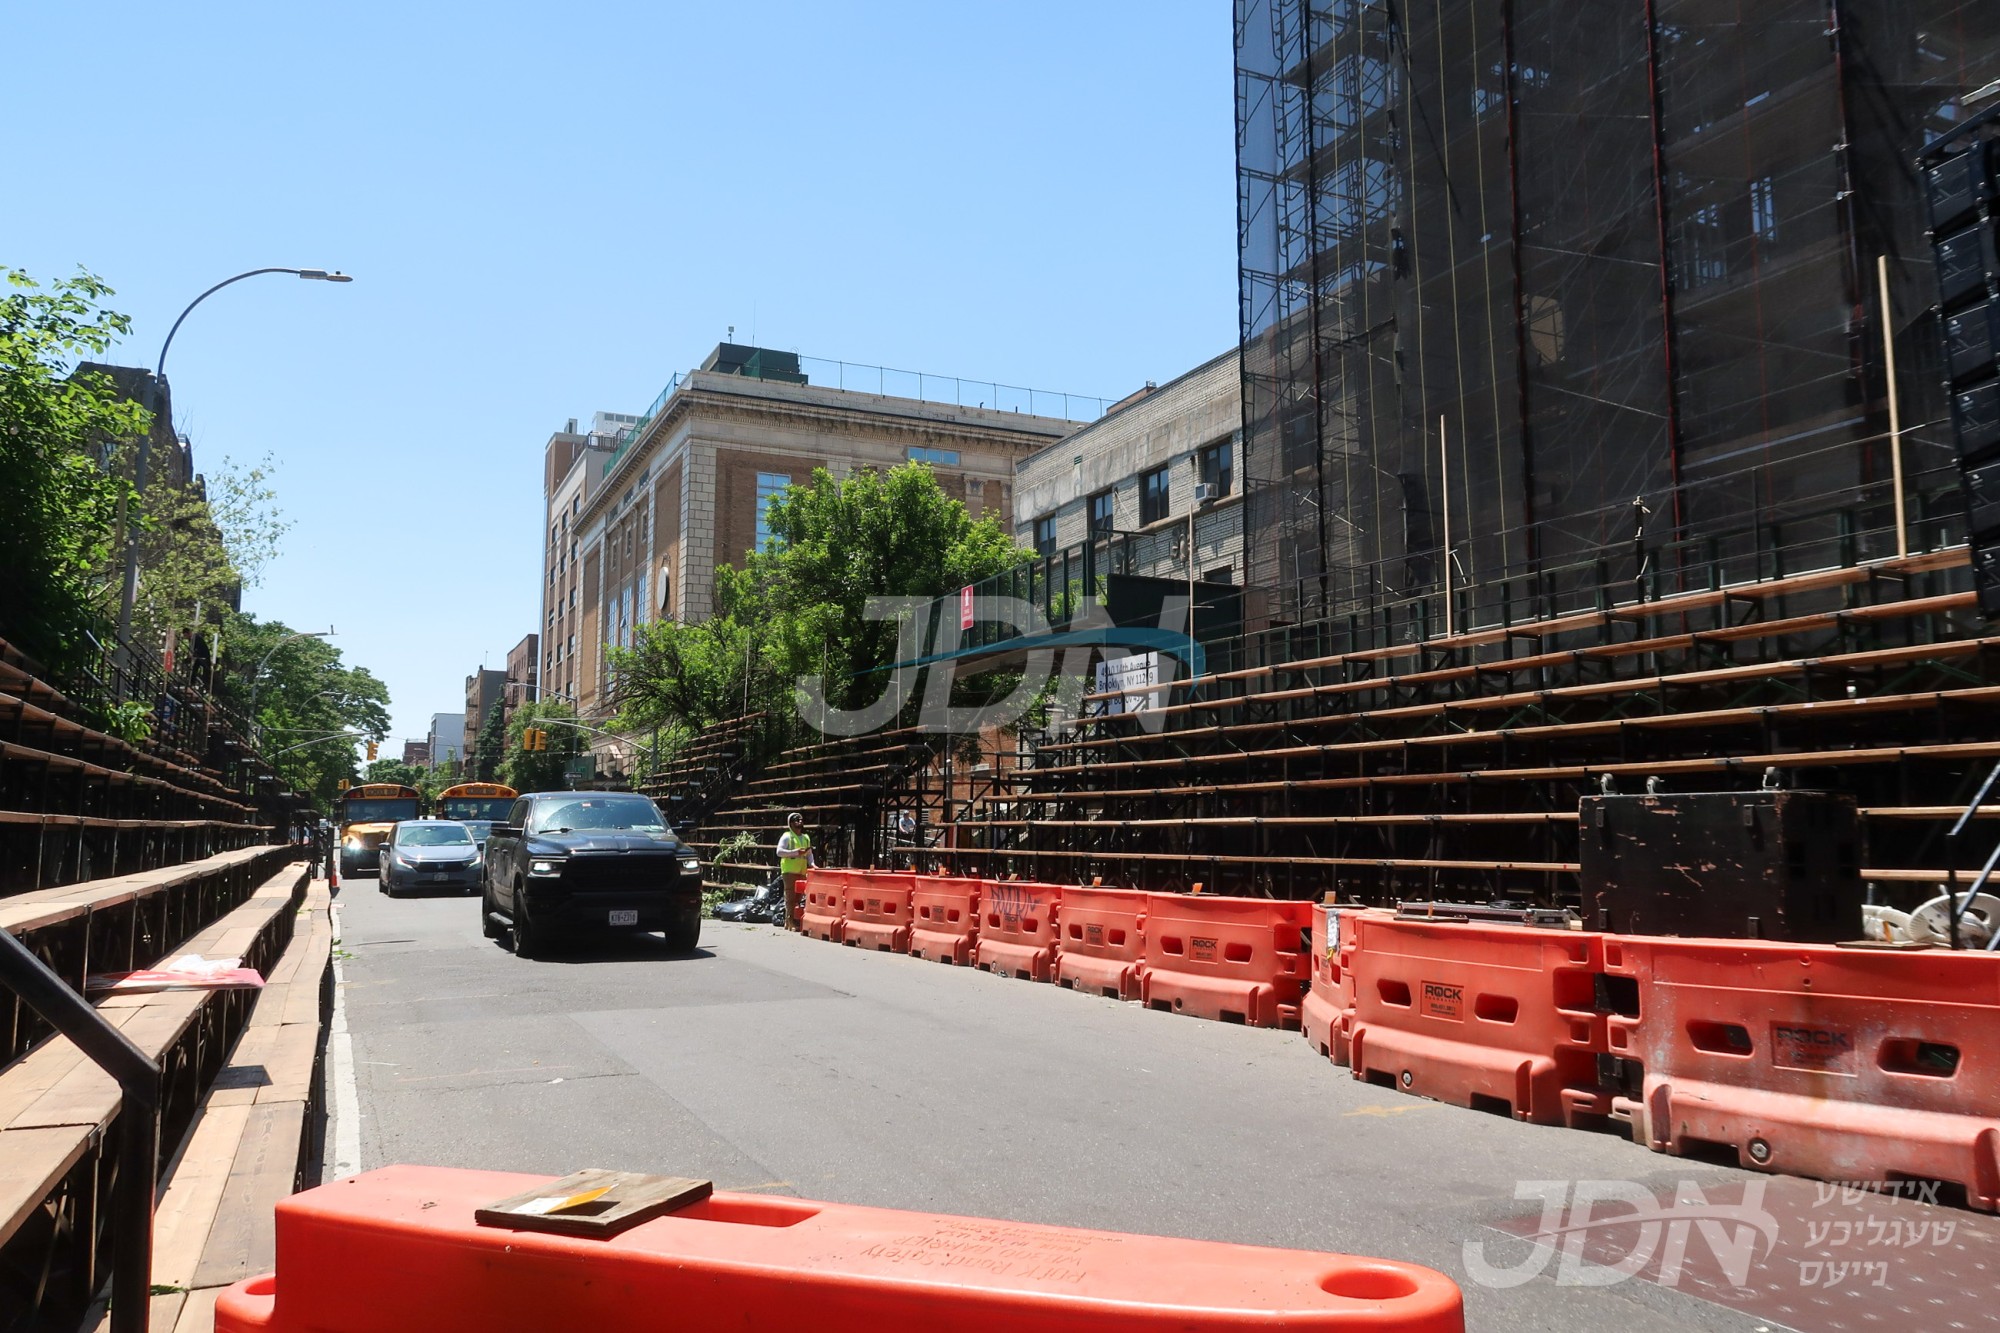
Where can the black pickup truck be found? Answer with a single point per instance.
(567, 862)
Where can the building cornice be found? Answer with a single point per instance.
(864, 418)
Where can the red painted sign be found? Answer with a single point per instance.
(965, 608)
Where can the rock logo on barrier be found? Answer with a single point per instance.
(1797, 1047)
(1442, 1001)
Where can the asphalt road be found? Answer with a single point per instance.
(775, 1063)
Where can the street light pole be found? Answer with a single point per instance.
(131, 590)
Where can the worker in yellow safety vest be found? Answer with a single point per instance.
(795, 857)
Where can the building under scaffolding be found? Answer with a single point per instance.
(1570, 290)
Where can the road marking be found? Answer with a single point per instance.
(1385, 1111)
(346, 1096)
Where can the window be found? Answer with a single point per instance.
(942, 457)
(1763, 209)
(1102, 510)
(1045, 535)
(1153, 496)
(770, 485)
(1215, 468)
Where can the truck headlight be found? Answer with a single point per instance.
(544, 868)
(692, 867)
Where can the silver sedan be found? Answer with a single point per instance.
(429, 854)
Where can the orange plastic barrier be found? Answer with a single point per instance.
(878, 910)
(1815, 1060)
(1327, 1012)
(823, 906)
(944, 919)
(1232, 959)
(1103, 941)
(1017, 928)
(397, 1251)
(1476, 1015)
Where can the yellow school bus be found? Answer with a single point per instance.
(477, 805)
(485, 802)
(366, 814)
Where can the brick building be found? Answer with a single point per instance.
(637, 529)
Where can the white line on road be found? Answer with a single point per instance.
(346, 1096)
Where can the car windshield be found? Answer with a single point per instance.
(433, 835)
(633, 813)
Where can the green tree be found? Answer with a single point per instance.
(839, 543)
(694, 674)
(488, 747)
(200, 545)
(799, 608)
(311, 706)
(542, 770)
(59, 439)
(395, 770)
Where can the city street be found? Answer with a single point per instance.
(775, 1063)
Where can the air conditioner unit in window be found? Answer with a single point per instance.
(1204, 492)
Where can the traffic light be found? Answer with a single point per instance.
(372, 749)
(534, 738)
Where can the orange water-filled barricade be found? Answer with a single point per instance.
(1327, 1011)
(398, 1250)
(1017, 929)
(1499, 1016)
(1103, 942)
(1239, 960)
(878, 910)
(944, 923)
(823, 904)
(1847, 1064)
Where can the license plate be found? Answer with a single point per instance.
(627, 917)
(437, 874)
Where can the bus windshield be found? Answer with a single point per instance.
(378, 809)
(475, 807)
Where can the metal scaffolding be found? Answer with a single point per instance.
(1550, 277)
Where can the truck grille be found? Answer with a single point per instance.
(620, 870)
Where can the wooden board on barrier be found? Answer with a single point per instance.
(593, 1202)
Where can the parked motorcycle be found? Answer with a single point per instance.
(764, 905)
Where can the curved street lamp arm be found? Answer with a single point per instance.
(160, 370)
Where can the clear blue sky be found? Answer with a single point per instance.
(549, 209)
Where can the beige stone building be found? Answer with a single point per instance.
(1129, 479)
(571, 462)
(639, 523)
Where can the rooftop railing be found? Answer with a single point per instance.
(888, 382)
